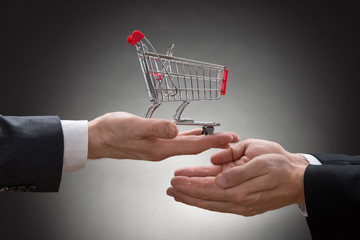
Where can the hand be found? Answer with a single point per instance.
(125, 136)
(237, 155)
(246, 151)
(250, 148)
(267, 182)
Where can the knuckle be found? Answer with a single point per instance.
(206, 170)
(265, 163)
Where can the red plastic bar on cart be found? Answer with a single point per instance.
(223, 87)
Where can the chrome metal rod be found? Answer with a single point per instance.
(144, 64)
(157, 55)
(180, 110)
(151, 109)
(205, 64)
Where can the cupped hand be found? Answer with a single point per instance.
(267, 182)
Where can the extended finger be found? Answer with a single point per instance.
(183, 145)
(195, 132)
(200, 187)
(222, 156)
(198, 132)
(199, 171)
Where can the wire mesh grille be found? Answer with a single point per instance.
(190, 80)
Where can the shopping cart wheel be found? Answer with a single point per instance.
(207, 130)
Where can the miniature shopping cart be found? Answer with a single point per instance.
(170, 79)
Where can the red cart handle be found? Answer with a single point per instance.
(224, 83)
(135, 37)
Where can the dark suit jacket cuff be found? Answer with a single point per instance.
(332, 199)
(31, 153)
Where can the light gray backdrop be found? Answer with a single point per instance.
(292, 80)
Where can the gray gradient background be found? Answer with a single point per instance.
(293, 79)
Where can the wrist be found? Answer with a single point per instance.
(301, 164)
(299, 175)
(93, 140)
(298, 159)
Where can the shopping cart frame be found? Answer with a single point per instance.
(170, 79)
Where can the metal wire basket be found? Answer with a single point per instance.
(170, 79)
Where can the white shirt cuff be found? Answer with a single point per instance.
(313, 161)
(75, 144)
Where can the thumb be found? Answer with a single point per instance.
(240, 174)
(231, 177)
(158, 128)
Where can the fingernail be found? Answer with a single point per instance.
(177, 181)
(228, 139)
(171, 130)
(237, 138)
(169, 192)
(221, 180)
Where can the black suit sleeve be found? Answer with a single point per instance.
(337, 159)
(31, 153)
(332, 195)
